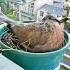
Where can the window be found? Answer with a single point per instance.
(32, 5)
(11, 2)
(41, 13)
(66, 0)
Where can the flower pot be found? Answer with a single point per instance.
(3, 29)
(35, 61)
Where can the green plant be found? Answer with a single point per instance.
(9, 13)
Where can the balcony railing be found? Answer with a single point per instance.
(65, 65)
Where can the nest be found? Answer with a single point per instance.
(44, 37)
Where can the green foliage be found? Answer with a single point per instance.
(2, 1)
(9, 13)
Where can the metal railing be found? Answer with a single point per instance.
(65, 65)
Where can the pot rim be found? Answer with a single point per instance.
(52, 52)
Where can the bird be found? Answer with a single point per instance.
(46, 37)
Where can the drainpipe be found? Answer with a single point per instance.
(0, 9)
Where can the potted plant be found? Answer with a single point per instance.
(37, 46)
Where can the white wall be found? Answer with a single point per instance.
(40, 3)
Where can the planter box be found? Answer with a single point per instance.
(35, 61)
